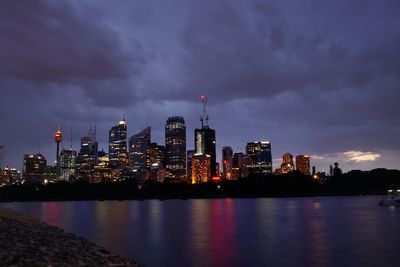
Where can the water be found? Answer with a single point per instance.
(320, 231)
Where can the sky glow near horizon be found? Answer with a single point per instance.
(306, 76)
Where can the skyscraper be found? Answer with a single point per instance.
(34, 167)
(303, 164)
(117, 150)
(175, 147)
(155, 162)
(138, 145)
(240, 163)
(260, 156)
(287, 163)
(204, 139)
(201, 168)
(67, 164)
(155, 155)
(205, 145)
(88, 153)
(227, 154)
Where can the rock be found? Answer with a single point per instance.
(25, 241)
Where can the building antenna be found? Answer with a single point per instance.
(71, 138)
(204, 117)
(95, 129)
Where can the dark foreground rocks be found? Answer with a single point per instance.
(25, 241)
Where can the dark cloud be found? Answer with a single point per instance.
(249, 51)
(48, 43)
(313, 77)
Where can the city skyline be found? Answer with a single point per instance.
(275, 71)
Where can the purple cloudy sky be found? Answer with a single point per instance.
(313, 77)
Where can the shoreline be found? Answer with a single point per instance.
(27, 241)
(162, 198)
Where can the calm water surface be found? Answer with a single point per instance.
(320, 231)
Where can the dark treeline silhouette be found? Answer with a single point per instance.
(376, 181)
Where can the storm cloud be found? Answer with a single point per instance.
(316, 77)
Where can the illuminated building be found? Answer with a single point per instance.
(227, 154)
(240, 161)
(155, 162)
(102, 170)
(189, 157)
(87, 156)
(175, 147)
(205, 145)
(67, 164)
(50, 174)
(260, 157)
(117, 150)
(204, 139)
(9, 175)
(287, 163)
(201, 168)
(103, 162)
(138, 145)
(217, 170)
(303, 164)
(155, 154)
(34, 167)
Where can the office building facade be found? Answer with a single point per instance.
(303, 164)
(227, 155)
(34, 166)
(138, 145)
(117, 148)
(261, 158)
(175, 148)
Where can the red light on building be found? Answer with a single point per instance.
(216, 179)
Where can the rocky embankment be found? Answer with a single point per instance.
(25, 241)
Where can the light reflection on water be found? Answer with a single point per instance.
(324, 231)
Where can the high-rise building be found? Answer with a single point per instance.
(103, 162)
(201, 168)
(155, 155)
(227, 154)
(88, 153)
(155, 162)
(287, 163)
(204, 139)
(67, 164)
(117, 148)
(189, 158)
(138, 145)
(102, 171)
(175, 147)
(34, 167)
(205, 145)
(240, 161)
(260, 156)
(303, 164)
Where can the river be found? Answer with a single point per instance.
(310, 231)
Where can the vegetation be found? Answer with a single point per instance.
(292, 184)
